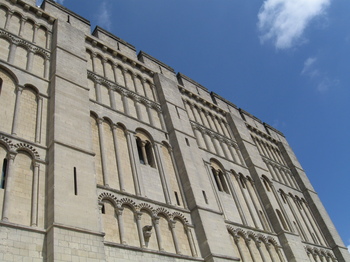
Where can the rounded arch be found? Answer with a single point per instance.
(181, 217)
(216, 163)
(128, 202)
(144, 135)
(145, 207)
(108, 196)
(33, 88)
(94, 114)
(27, 148)
(162, 211)
(7, 143)
(10, 74)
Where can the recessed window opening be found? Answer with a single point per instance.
(68, 19)
(217, 181)
(283, 222)
(241, 179)
(177, 111)
(149, 154)
(205, 197)
(0, 85)
(223, 182)
(187, 142)
(3, 174)
(139, 150)
(103, 210)
(75, 182)
(177, 198)
(267, 186)
(283, 198)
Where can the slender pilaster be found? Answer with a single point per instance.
(117, 154)
(172, 225)
(103, 152)
(17, 109)
(34, 221)
(162, 174)
(139, 228)
(119, 213)
(158, 234)
(29, 65)
(39, 119)
(133, 163)
(190, 240)
(12, 53)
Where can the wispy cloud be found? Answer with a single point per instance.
(284, 21)
(104, 16)
(60, 1)
(323, 81)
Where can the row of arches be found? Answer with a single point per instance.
(217, 144)
(22, 189)
(239, 197)
(133, 162)
(144, 226)
(303, 220)
(281, 174)
(320, 255)
(125, 101)
(123, 76)
(207, 119)
(24, 27)
(269, 151)
(249, 246)
(24, 55)
(22, 108)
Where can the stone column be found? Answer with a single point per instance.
(112, 98)
(268, 247)
(48, 39)
(46, 67)
(93, 59)
(12, 53)
(198, 135)
(248, 243)
(131, 147)
(119, 213)
(8, 19)
(103, 152)
(104, 61)
(117, 154)
(39, 119)
(158, 233)
(173, 233)
(115, 73)
(98, 92)
(149, 112)
(154, 93)
(8, 184)
(251, 195)
(217, 179)
(17, 109)
(29, 65)
(143, 151)
(238, 244)
(138, 109)
(125, 102)
(279, 253)
(143, 81)
(206, 141)
(21, 27)
(125, 82)
(139, 229)
(35, 191)
(35, 33)
(161, 118)
(190, 240)
(258, 245)
(216, 145)
(224, 149)
(233, 153)
(162, 174)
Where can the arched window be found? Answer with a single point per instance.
(145, 150)
(219, 177)
(281, 218)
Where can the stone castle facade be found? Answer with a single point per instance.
(109, 155)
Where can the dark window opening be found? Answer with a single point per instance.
(149, 154)
(139, 150)
(241, 179)
(177, 198)
(266, 185)
(103, 210)
(187, 142)
(177, 111)
(205, 197)
(3, 174)
(75, 182)
(0, 85)
(223, 183)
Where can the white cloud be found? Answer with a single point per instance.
(60, 1)
(309, 67)
(104, 16)
(322, 80)
(283, 21)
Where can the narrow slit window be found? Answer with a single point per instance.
(177, 111)
(177, 198)
(187, 142)
(205, 197)
(75, 182)
(3, 174)
(103, 210)
(0, 86)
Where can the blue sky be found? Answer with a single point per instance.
(285, 61)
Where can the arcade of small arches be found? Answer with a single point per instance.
(132, 161)
(281, 174)
(269, 151)
(118, 73)
(319, 255)
(217, 144)
(303, 220)
(23, 108)
(18, 48)
(125, 101)
(142, 225)
(207, 119)
(249, 246)
(241, 193)
(21, 188)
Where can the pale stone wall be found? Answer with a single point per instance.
(27, 114)
(130, 227)
(111, 161)
(4, 49)
(38, 65)
(7, 101)
(110, 223)
(21, 57)
(20, 245)
(97, 151)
